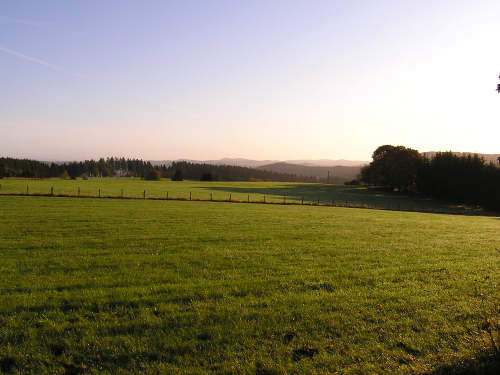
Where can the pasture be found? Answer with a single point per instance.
(114, 286)
(269, 192)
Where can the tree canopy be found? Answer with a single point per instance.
(393, 166)
(447, 176)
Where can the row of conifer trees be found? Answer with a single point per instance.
(121, 167)
(446, 176)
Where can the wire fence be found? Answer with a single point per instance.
(283, 200)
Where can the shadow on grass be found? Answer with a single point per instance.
(358, 196)
(485, 364)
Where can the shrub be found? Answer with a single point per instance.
(153, 175)
(178, 176)
(352, 182)
(207, 177)
(65, 175)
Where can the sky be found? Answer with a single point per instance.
(270, 79)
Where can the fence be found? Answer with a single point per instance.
(278, 200)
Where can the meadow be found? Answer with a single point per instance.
(261, 191)
(115, 286)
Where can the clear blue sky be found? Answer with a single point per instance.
(258, 79)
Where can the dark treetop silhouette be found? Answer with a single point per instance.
(446, 176)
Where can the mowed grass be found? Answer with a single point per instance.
(172, 287)
(270, 192)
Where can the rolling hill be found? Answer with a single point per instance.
(250, 163)
(338, 174)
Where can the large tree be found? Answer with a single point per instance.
(393, 166)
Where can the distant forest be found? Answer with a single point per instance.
(121, 167)
(332, 174)
(449, 176)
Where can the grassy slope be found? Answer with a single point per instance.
(192, 287)
(255, 191)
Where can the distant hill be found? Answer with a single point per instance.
(329, 162)
(250, 163)
(211, 172)
(487, 157)
(240, 162)
(236, 162)
(338, 174)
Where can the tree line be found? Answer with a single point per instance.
(456, 178)
(208, 172)
(122, 167)
(11, 167)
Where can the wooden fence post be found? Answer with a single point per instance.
(52, 190)
(121, 193)
(27, 190)
(189, 195)
(302, 200)
(144, 194)
(230, 199)
(167, 195)
(210, 196)
(78, 190)
(264, 199)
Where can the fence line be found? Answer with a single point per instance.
(296, 202)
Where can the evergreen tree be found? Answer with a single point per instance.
(178, 175)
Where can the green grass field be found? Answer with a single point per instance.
(271, 192)
(164, 287)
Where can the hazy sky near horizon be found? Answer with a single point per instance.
(263, 79)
